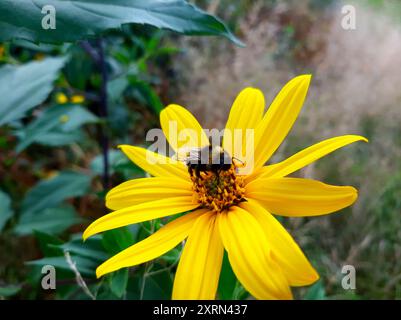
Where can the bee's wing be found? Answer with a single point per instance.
(187, 154)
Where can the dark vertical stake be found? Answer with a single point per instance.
(103, 113)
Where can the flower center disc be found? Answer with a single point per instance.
(218, 190)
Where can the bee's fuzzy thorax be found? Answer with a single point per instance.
(218, 190)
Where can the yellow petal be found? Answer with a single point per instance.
(157, 244)
(181, 128)
(246, 113)
(250, 256)
(306, 156)
(155, 164)
(290, 257)
(295, 197)
(142, 190)
(139, 213)
(199, 268)
(279, 118)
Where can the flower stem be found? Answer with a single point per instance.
(103, 112)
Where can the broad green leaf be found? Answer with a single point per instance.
(116, 157)
(50, 193)
(24, 87)
(172, 256)
(5, 209)
(50, 119)
(158, 286)
(91, 248)
(40, 47)
(117, 240)
(129, 170)
(227, 281)
(79, 19)
(118, 282)
(51, 220)
(48, 243)
(79, 68)
(144, 93)
(58, 119)
(77, 117)
(58, 138)
(85, 266)
(10, 290)
(116, 87)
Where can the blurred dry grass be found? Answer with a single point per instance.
(355, 90)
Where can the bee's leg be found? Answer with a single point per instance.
(197, 172)
(217, 175)
(191, 171)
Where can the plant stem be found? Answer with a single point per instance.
(103, 113)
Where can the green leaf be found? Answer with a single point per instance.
(51, 220)
(24, 87)
(158, 286)
(118, 282)
(172, 256)
(116, 157)
(80, 19)
(85, 266)
(117, 240)
(48, 243)
(227, 281)
(50, 193)
(40, 47)
(58, 138)
(58, 119)
(5, 209)
(116, 87)
(91, 248)
(147, 95)
(77, 117)
(129, 170)
(9, 290)
(316, 292)
(79, 68)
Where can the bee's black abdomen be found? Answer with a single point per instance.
(209, 161)
(220, 167)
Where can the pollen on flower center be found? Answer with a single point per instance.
(218, 191)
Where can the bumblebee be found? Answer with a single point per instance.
(206, 159)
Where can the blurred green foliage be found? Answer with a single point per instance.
(53, 130)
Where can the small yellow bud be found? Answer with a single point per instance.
(77, 98)
(61, 98)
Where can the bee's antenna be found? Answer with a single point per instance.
(235, 158)
(242, 163)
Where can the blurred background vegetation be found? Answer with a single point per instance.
(54, 134)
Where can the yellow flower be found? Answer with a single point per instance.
(236, 213)
(77, 98)
(61, 98)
